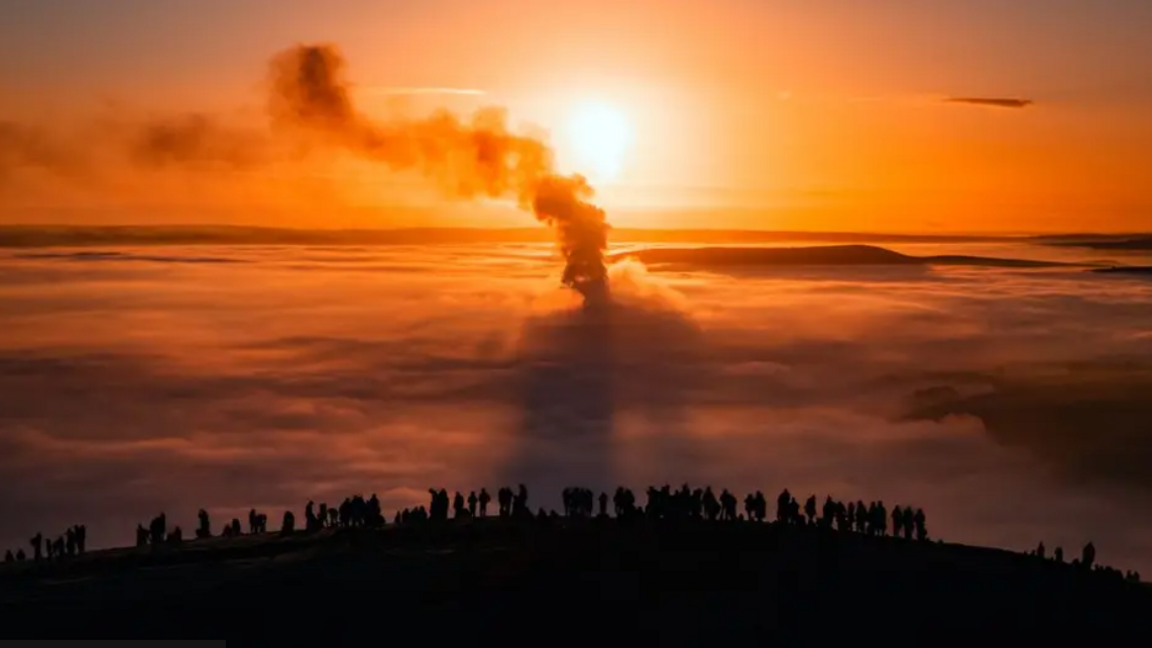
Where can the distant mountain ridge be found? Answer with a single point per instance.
(79, 236)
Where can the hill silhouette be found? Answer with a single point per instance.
(826, 255)
(1142, 271)
(527, 578)
(1121, 242)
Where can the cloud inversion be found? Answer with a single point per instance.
(1005, 401)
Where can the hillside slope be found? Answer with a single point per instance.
(562, 580)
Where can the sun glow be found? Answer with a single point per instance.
(599, 135)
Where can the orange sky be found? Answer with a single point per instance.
(816, 115)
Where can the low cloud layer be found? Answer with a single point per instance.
(1007, 402)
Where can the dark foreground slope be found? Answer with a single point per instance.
(564, 582)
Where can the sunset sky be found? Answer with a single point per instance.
(773, 114)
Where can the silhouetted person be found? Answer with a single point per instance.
(375, 513)
(908, 523)
(1058, 554)
(1040, 552)
(458, 505)
(70, 542)
(603, 505)
(288, 526)
(897, 520)
(158, 529)
(176, 537)
(1088, 556)
(310, 522)
(520, 502)
(37, 542)
(728, 504)
(827, 512)
(484, 499)
(472, 502)
(761, 506)
(333, 518)
(504, 499)
(9, 557)
(782, 505)
(810, 509)
(204, 530)
(711, 505)
(81, 537)
(20, 556)
(141, 535)
(921, 527)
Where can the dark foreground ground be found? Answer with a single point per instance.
(499, 583)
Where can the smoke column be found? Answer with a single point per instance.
(479, 158)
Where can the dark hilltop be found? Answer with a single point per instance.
(688, 567)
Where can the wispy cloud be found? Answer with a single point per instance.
(433, 90)
(991, 102)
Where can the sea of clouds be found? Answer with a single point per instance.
(1013, 405)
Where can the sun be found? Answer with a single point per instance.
(599, 135)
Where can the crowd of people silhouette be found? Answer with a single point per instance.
(665, 503)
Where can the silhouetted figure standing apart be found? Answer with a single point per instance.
(472, 501)
(8, 557)
(81, 537)
(603, 505)
(20, 555)
(37, 542)
(289, 524)
(520, 502)
(1040, 552)
(205, 528)
(1058, 554)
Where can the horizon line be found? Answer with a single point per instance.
(917, 233)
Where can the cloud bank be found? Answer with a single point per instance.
(1008, 402)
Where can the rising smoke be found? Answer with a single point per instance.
(479, 158)
(310, 104)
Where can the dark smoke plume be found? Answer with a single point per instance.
(310, 107)
(194, 139)
(478, 158)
